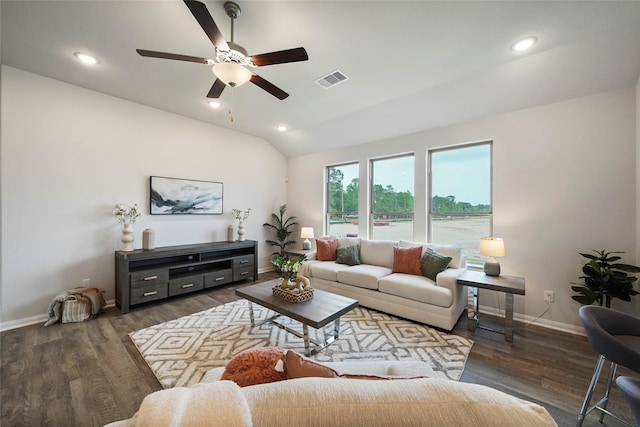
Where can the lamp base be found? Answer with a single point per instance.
(306, 245)
(492, 268)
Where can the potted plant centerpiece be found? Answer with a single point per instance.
(605, 279)
(287, 268)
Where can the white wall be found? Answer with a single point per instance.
(564, 182)
(69, 154)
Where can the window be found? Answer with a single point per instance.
(460, 207)
(342, 200)
(392, 190)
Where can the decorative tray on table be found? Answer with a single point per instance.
(303, 292)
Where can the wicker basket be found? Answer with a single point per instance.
(292, 296)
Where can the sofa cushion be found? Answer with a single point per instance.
(347, 241)
(407, 260)
(455, 252)
(417, 288)
(433, 263)
(326, 249)
(312, 402)
(327, 270)
(377, 252)
(255, 366)
(349, 255)
(363, 275)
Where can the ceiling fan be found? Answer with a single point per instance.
(232, 64)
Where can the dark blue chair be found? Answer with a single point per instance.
(616, 337)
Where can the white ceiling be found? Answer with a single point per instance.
(412, 65)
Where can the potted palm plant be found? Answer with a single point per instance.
(605, 279)
(281, 228)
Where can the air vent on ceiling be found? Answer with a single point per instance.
(332, 79)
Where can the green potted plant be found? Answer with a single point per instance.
(287, 268)
(605, 279)
(281, 228)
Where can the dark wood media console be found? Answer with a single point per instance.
(143, 276)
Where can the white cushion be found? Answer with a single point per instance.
(377, 252)
(363, 275)
(417, 288)
(455, 252)
(313, 402)
(347, 241)
(327, 270)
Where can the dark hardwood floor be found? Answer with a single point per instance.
(90, 373)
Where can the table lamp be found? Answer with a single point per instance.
(492, 247)
(306, 233)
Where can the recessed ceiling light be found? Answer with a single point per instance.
(214, 104)
(87, 59)
(282, 128)
(524, 44)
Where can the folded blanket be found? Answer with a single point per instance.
(56, 306)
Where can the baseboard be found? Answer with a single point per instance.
(40, 318)
(527, 320)
(545, 323)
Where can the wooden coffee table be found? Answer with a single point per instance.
(317, 312)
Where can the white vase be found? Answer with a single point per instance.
(127, 238)
(240, 231)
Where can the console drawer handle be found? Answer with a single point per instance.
(148, 294)
(244, 273)
(217, 279)
(150, 278)
(244, 261)
(187, 286)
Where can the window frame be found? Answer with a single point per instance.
(327, 192)
(431, 214)
(371, 212)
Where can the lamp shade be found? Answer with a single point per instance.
(306, 233)
(492, 246)
(231, 73)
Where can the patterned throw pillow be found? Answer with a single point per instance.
(349, 255)
(433, 263)
(407, 260)
(326, 249)
(255, 366)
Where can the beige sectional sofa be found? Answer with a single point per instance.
(374, 284)
(330, 402)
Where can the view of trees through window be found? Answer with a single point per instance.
(342, 200)
(460, 210)
(392, 198)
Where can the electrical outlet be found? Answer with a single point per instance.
(86, 283)
(548, 297)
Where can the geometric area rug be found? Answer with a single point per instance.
(181, 351)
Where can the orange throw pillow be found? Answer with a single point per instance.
(407, 260)
(326, 249)
(255, 366)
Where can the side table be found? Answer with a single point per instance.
(510, 285)
(298, 252)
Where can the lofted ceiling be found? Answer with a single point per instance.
(412, 65)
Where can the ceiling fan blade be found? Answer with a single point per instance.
(165, 55)
(269, 87)
(202, 15)
(280, 57)
(216, 89)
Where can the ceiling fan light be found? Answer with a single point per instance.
(231, 74)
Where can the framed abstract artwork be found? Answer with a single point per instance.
(174, 196)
